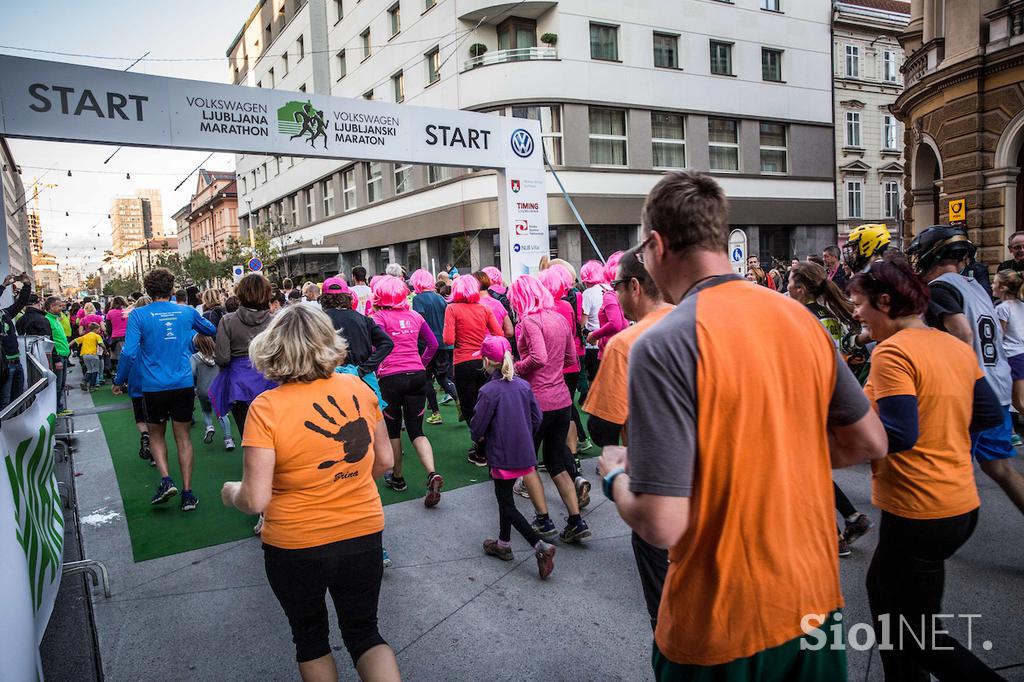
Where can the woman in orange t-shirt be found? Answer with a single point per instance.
(313, 447)
(930, 394)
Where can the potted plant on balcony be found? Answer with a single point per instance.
(476, 51)
(549, 39)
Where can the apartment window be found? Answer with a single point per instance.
(852, 128)
(284, 64)
(259, 84)
(403, 178)
(607, 137)
(348, 188)
(721, 58)
(374, 181)
(604, 42)
(668, 140)
(309, 205)
(339, 11)
(364, 38)
(891, 198)
(771, 65)
(433, 60)
(773, 148)
(395, 19)
(854, 199)
(300, 47)
(295, 210)
(852, 61)
(368, 94)
(724, 144)
(889, 66)
(270, 78)
(327, 190)
(302, 88)
(890, 132)
(245, 186)
(398, 86)
(427, 4)
(550, 119)
(666, 51)
(269, 33)
(772, 5)
(437, 174)
(340, 62)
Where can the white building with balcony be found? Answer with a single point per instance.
(623, 92)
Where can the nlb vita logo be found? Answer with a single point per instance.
(522, 143)
(302, 119)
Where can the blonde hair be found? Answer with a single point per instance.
(310, 291)
(299, 345)
(90, 309)
(140, 302)
(1012, 282)
(210, 299)
(507, 366)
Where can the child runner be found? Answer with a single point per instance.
(431, 306)
(506, 418)
(204, 371)
(403, 380)
(91, 346)
(1009, 288)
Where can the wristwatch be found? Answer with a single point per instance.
(609, 480)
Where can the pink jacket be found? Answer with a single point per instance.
(118, 322)
(564, 308)
(406, 328)
(611, 320)
(546, 348)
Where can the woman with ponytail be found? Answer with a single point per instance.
(609, 317)
(506, 418)
(1009, 289)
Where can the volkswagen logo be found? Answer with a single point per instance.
(522, 143)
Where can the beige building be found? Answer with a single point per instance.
(869, 138)
(963, 110)
(213, 214)
(133, 220)
(47, 274)
(15, 216)
(182, 229)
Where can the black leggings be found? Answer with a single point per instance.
(572, 380)
(550, 439)
(508, 514)
(591, 363)
(351, 570)
(439, 369)
(239, 410)
(843, 503)
(905, 579)
(405, 394)
(469, 378)
(604, 432)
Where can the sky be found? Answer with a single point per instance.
(74, 213)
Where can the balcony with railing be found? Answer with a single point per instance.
(1006, 26)
(522, 54)
(923, 61)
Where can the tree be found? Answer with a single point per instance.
(268, 240)
(121, 286)
(92, 283)
(197, 267)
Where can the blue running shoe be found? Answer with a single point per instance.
(544, 527)
(165, 490)
(575, 532)
(188, 501)
(387, 559)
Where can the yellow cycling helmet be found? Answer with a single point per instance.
(864, 243)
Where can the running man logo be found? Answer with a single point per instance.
(302, 119)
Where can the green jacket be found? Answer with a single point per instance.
(60, 339)
(65, 322)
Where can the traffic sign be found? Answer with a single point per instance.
(957, 210)
(738, 251)
(236, 272)
(255, 264)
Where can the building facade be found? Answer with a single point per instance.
(963, 111)
(16, 219)
(213, 213)
(623, 93)
(182, 230)
(869, 138)
(135, 219)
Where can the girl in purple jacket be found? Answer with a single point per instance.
(504, 423)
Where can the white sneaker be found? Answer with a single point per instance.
(258, 528)
(208, 436)
(520, 489)
(229, 444)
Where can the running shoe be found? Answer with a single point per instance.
(434, 419)
(582, 491)
(844, 547)
(545, 554)
(579, 465)
(258, 528)
(434, 485)
(575, 532)
(1016, 441)
(541, 466)
(188, 501)
(520, 489)
(394, 482)
(85, 389)
(585, 444)
(544, 527)
(446, 399)
(165, 490)
(474, 457)
(229, 444)
(859, 526)
(144, 451)
(491, 548)
(387, 559)
(208, 436)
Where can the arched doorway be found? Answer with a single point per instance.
(926, 185)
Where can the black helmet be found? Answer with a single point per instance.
(939, 242)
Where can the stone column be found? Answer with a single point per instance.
(569, 245)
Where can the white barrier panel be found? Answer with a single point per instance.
(31, 532)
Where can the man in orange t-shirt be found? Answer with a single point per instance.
(701, 390)
(607, 405)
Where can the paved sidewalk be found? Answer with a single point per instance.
(452, 613)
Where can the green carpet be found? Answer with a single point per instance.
(158, 531)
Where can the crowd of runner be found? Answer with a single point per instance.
(905, 361)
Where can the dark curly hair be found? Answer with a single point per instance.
(159, 283)
(908, 294)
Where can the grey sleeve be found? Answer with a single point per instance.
(662, 417)
(848, 403)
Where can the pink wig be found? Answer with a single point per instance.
(375, 279)
(390, 292)
(465, 289)
(557, 280)
(611, 268)
(495, 275)
(421, 281)
(592, 273)
(529, 296)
